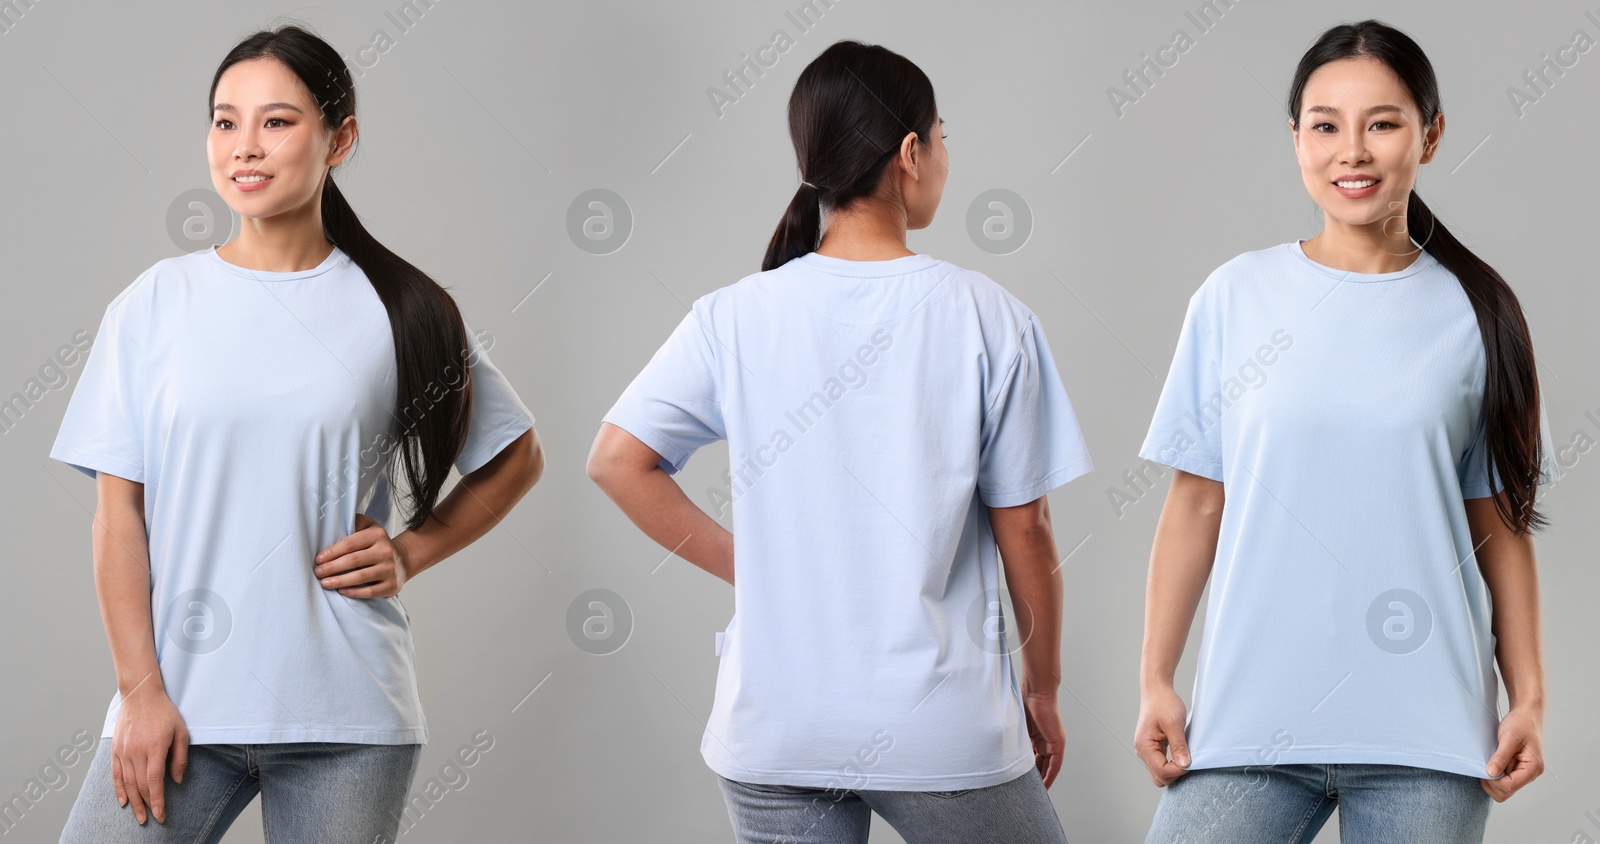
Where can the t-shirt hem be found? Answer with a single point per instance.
(1023, 495)
(1194, 466)
(90, 462)
(1338, 755)
(872, 781)
(493, 445)
(259, 735)
(650, 437)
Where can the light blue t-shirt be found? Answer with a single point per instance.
(872, 409)
(255, 408)
(1347, 620)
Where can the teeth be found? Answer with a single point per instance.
(249, 179)
(1365, 183)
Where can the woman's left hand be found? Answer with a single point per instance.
(365, 564)
(1520, 754)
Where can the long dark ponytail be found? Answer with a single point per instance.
(1511, 390)
(849, 111)
(430, 338)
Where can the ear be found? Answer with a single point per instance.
(909, 153)
(344, 139)
(1430, 138)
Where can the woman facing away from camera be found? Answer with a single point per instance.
(1358, 434)
(890, 419)
(240, 412)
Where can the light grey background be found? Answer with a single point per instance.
(483, 123)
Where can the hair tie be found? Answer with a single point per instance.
(809, 185)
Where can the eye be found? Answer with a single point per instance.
(1384, 123)
(270, 121)
(222, 123)
(1317, 127)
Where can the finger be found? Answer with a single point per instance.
(1502, 757)
(180, 755)
(364, 521)
(358, 558)
(154, 774)
(138, 797)
(354, 542)
(116, 780)
(1178, 744)
(1052, 767)
(363, 576)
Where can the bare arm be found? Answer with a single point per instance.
(1506, 560)
(148, 725)
(474, 505)
(1027, 544)
(368, 563)
(628, 472)
(1181, 556)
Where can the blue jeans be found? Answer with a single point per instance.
(1011, 812)
(310, 791)
(1287, 804)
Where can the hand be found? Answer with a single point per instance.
(1520, 754)
(365, 564)
(1161, 721)
(148, 726)
(1044, 729)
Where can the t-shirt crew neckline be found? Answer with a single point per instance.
(334, 258)
(867, 269)
(1423, 261)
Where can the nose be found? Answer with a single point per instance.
(1353, 147)
(247, 144)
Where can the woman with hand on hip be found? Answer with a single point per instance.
(1357, 429)
(240, 412)
(890, 417)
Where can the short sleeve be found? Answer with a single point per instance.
(1474, 471)
(672, 404)
(498, 414)
(103, 429)
(1030, 440)
(1186, 432)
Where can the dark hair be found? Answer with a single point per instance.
(1511, 390)
(850, 109)
(430, 338)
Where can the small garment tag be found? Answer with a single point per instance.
(719, 642)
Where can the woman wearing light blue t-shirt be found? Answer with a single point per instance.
(890, 420)
(1358, 434)
(240, 411)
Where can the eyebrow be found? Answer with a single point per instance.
(1331, 110)
(268, 107)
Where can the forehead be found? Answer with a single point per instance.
(251, 84)
(1354, 86)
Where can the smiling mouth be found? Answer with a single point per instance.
(1357, 185)
(250, 180)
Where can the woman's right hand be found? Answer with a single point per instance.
(1161, 721)
(148, 726)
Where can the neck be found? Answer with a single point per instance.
(288, 242)
(1378, 247)
(868, 230)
